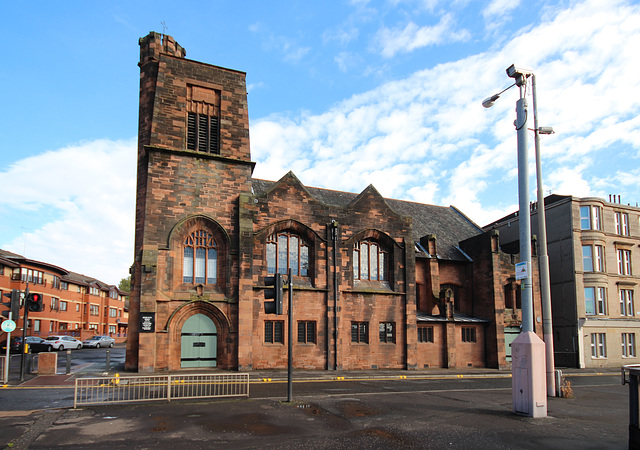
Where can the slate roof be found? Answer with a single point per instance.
(14, 260)
(448, 224)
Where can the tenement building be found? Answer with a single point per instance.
(376, 282)
(594, 272)
(74, 304)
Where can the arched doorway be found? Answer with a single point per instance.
(199, 342)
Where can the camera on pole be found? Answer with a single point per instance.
(273, 291)
(13, 304)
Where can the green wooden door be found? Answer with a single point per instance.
(199, 342)
(510, 335)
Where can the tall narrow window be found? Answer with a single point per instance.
(627, 306)
(595, 216)
(203, 133)
(601, 300)
(599, 258)
(598, 345)
(589, 301)
(287, 250)
(622, 223)
(624, 262)
(369, 261)
(587, 258)
(585, 218)
(200, 259)
(628, 345)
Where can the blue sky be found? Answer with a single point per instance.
(344, 93)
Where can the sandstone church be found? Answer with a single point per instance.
(377, 283)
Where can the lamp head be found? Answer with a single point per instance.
(489, 102)
(545, 130)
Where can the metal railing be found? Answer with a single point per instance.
(633, 372)
(117, 389)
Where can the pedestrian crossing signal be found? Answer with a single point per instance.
(35, 302)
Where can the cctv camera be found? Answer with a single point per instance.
(514, 72)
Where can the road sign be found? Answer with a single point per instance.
(8, 326)
(522, 270)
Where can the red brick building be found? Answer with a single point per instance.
(74, 304)
(377, 283)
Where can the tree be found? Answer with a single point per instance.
(125, 284)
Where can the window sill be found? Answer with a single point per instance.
(373, 290)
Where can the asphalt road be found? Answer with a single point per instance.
(85, 360)
(336, 414)
(36, 397)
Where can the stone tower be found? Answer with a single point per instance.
(193, 165)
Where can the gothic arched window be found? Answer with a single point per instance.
(287, 250)
(369, 261)
(200, 263)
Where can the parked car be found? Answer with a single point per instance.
(64, 342)
(36, 344)
(99, 341)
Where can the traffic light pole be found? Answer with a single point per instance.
(24, 332)
(290, 356)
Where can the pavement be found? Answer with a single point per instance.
(336, 418)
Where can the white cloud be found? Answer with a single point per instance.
(432, 121)
(412, 36)
(425, 138)
(87, 193)
(499, 8)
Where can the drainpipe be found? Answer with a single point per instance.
(334, 236)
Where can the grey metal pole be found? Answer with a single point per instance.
(525, 218)
(8, 354)
(543, 257)
(25, 322)
(290, 357)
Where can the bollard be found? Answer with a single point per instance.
(558, 383)
(108, 360)
(68, 362)
(634, 412)
(29, 362)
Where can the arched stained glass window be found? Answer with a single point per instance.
(287, 250)
(369, 261)
(200, 262)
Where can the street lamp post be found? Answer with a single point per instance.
(528, 350)
(543, 257)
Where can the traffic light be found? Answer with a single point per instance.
(35, 302)
(274, 292)
(13, 304)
